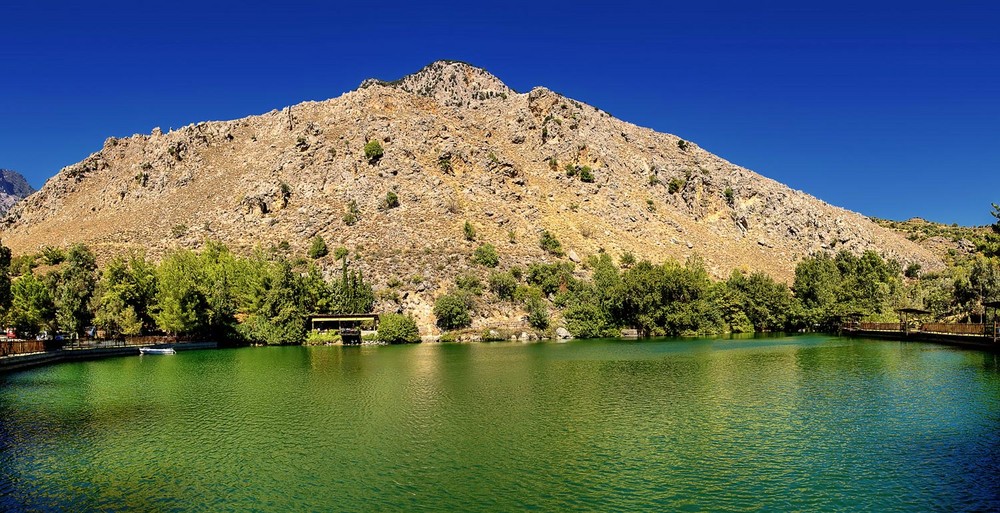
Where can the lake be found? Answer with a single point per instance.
(801, 423)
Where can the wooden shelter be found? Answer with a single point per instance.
(905, 313)
(348, 326)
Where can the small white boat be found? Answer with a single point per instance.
(157, 350)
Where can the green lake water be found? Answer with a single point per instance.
(806, 423)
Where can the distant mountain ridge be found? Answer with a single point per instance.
(13, 188)
(458, 145)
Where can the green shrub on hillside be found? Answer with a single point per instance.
(538, 313)
(446, 166)
(550, 243)
(52, 255)
(469, 283)
(452, 311)
(503, 285)
(373, 151)
(351, 216)
(318, 248)
(391, 200)
(486, 255)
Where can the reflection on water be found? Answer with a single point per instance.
(786, 424)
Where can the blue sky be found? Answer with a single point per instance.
(891, 109)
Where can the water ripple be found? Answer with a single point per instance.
(786, 424)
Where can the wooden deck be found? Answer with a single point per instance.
(973, 335)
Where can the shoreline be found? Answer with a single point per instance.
(20, 362)
(14, 363)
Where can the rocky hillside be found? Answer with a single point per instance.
(13, 188)
(458, 145)
(946, 241)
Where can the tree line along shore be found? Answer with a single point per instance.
(267, 296)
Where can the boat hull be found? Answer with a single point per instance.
(157, 350)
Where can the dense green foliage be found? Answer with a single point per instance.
(452, 311)
(124, 295)
(266, 298)
(397, 329)
(503, 285)
(52, 255)
(212, 293)
(828, 287)
(681, 299)
(32, 309)
(469, 231)
(74, 288)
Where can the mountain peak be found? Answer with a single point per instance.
(13, 188)
(453, 83)
(458, 146)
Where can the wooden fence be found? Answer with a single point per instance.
(879, 326)
(954, 329)
(11, 346)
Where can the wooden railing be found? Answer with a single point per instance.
(879, 326)
(954, 329)
(11, 347)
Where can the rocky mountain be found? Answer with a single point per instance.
(13, 188)
(458, 145)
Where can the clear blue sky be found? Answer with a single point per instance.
(891, 109)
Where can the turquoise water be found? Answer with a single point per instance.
(804, 423)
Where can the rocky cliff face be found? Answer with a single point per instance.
(13, 188)
(458, 145)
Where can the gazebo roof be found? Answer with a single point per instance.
(992, 304)
(345, 317)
